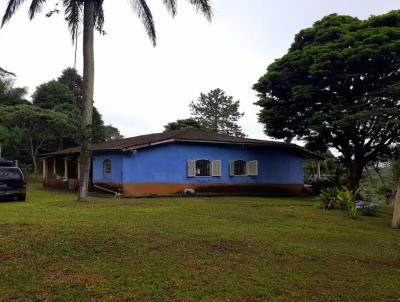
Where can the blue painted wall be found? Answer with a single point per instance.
(168, 164)
(116, 167)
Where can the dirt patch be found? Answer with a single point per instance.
(8, 228)
(72, 276)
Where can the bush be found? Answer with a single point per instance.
(367, 208)
(347, 201)
(343, 198)
(328, 198)
(319, 185)
(385, 191)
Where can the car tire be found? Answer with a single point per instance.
(21, 197)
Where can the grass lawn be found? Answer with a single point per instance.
(193, 249)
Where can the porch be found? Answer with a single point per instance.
(61, 172)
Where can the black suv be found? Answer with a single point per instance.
(12, 182)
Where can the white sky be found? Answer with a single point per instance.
(139, 88)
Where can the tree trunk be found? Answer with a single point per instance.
(354, 172)
(88, 87)
(34, 165)
(396, 211)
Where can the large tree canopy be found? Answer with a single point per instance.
(33, 127)
(338, 87)
(65, 95)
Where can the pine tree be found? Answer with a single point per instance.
(218, 112)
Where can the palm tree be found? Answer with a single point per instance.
(91, 11)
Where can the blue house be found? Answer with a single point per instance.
(173, 162)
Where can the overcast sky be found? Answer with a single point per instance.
(139, 88)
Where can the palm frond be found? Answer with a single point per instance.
(144, 13)
(204, 6)
(35, 7)
(171, 6)
(99, 16)
(73, 11)
(10, 10)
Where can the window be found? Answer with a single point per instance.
(243, 168)
(204, 168)
(107, 167)
(10, 173)
(239, 168)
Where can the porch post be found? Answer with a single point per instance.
(54, 167)
(79, 167)
(319, 170)
(44, 168)
(65, 167)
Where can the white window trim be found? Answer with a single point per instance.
(247, 168)
(191, 165)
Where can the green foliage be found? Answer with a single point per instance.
(329, 198)
(52, 94)
(189, 123)
(32, 127)
(111, 133)
(369, 211)
(384, 190)
(66, 95)
(377, 183)
(217, 112)
(347, 201)
(338, 87)
(10, 95)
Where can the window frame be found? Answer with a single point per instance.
(215, 168)
(107, 170)
(210, 167)
(244, 168)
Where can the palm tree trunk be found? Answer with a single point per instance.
(88, 87)
(396, 212)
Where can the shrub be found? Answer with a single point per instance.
(370, 209)
(328, 198)
(319, 185)
(343, 198)
(385, 191)
(347, 200)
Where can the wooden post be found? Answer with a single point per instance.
(44, 168)
(65, 167)
(79, 168)
(319, 170)
(54, 167)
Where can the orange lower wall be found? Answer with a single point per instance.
(178, 188)
(141, 189)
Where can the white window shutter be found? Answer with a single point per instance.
(216, 168)
(191, 165)
(252, 168)
(232, 168)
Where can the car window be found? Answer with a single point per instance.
(7, 173)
